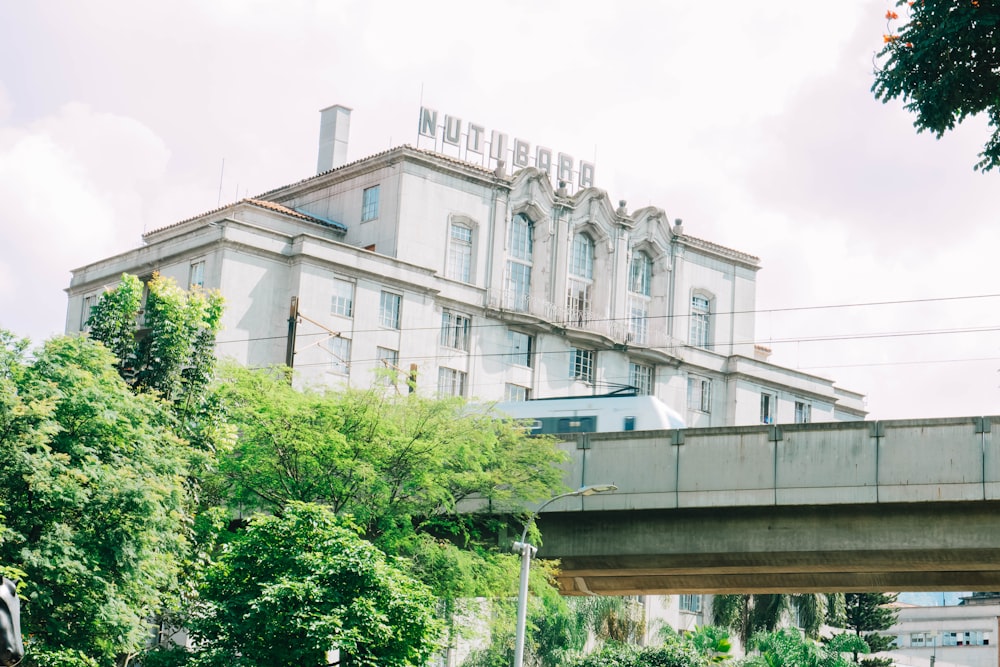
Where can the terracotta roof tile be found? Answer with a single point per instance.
(261, 203)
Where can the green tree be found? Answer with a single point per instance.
(944, 62)
(288, 589)
(407, 469)
(92, 485)
(788, 648)
(747, 614)
(711, 642)
(674, 652)
(613, 618)
(866, 614)
(400, 465)
(163, 344)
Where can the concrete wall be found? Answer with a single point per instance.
(926, 460)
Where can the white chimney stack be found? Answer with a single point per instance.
(334, 127)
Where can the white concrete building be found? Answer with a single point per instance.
(964, 634)
(480, 283)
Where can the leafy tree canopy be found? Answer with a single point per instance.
(749, 614)
(865, 615)
(944, 62)
(675, 652)
(91, 485)
(399, 465)
(290, 588)
(788, 648)
(164, 343)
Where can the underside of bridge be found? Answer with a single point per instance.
(791, 549)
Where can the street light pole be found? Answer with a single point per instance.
(527, 551)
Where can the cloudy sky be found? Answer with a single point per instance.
(753, 122)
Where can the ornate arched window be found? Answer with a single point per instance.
(581, 279)
(519, 249)
(701, 320)
(640, 273)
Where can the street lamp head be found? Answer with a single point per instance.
(595, 488)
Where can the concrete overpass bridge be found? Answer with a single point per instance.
(904, 505)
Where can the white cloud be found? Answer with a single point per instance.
(71, 192)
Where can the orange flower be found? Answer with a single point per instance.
(889, 38)
(909, 45)
(893, 15)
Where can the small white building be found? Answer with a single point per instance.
(474, 282)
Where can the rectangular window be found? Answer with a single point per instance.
(514, 392)
(389, 310)
(803, 413)
(578, 301)
(638, 322)
(451, 382)
(690, 603)
(388, 364)
(518, 286)
(700, 321)
(640, 376)
(519, 348)
(196, 274)
(699, 394)
(343, 298)
(455, 330)
(369, 204)
(768, 408)
(89, 302)
(460, 253)
(340, 355)
(581, 364)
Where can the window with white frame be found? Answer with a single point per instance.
(638, 319)
(965, 638)
(451, 382)
(519, 254)
(768, 408)
(581, 261)
(699, 396)
(340, 355)
(89, 302)
(388, 363)
(640, 276)
(369, 203)
(922, 639)
(342, 302)
(519, 346)
(581, 278)
(640, 273)
(515, 392)
(803, 412)
(460, 252)
(640, 376)
(690, 603)
(196, 274)
(700, 321)
(581, 364)
(389, 305)
(455, 330)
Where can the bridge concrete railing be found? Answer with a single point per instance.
(900, 461)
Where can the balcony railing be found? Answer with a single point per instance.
(648, 333)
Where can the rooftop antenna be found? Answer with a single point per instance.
(223, 171)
